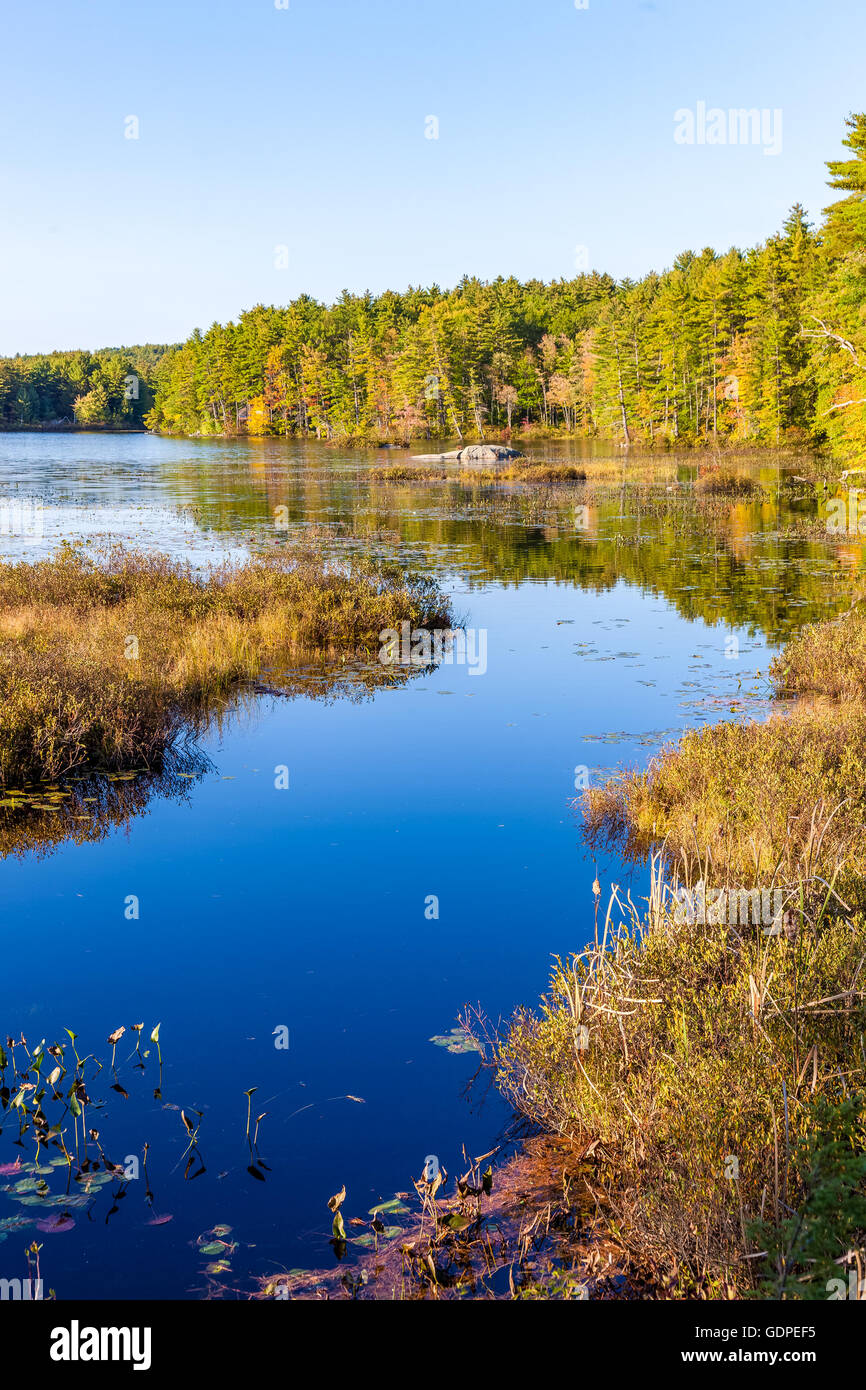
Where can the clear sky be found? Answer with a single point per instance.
(306, 128)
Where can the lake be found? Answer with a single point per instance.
(307, 908)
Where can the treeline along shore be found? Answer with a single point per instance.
(766, 345)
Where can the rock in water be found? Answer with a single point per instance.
(472, 453)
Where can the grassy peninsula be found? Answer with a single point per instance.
(108, 660)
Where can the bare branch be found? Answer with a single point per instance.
(826, 332)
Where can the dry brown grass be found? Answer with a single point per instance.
(827, 658)
(706, 1067)
(748, 803)
(106, 661)
(722, 479)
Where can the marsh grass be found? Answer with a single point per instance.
(722, 479)
(722, 1068)
(749, 804)
(700, 1067)
(826, 658)
(407, 473)
(109, 660)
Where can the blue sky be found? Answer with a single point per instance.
(305, 128)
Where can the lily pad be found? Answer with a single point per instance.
(370, 1240)
(15, 1223)
(394, 1208)
(456, 1041)
(54, 1225)
(77, 1200)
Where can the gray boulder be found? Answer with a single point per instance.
(472, 453)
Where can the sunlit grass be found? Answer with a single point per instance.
(704, 1068)
(105, 661)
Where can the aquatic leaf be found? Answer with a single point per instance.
(213, 1247)
(218, 1267)
(15, 1223)
(7, 1168)
(455, 1222)
(160, 1220)
(335, 1202)
(487, 1180)
(222, 1230)
(154, 1037)
(456, 1041)
(369, 1241)
(395, 1207)
(338, 1230)
(76, 1199)
(53, 1225)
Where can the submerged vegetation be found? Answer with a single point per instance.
(107, 661)
(527, 1230)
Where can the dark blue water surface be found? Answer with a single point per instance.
(305, 907)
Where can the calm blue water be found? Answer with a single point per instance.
(306, 907)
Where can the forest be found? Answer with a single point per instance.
(111, 388)
(766, 345)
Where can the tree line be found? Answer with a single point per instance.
(765, 345)
(111, 388)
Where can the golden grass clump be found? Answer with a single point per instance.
(407, 473)
(723, 479)
(826, 658)
(748, 804)
(105, 660)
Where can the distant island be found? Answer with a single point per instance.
(766, 346)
